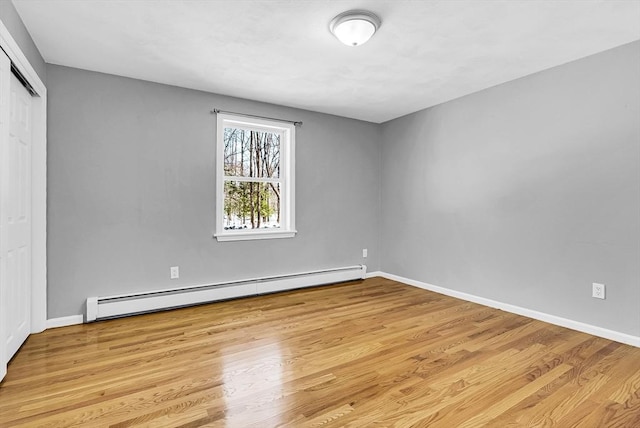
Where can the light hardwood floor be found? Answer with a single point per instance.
(375, 353)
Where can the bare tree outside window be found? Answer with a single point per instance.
(252, 188)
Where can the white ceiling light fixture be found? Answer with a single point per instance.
(355, 27)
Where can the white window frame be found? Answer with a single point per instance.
(287, 177)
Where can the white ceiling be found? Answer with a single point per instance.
(425, 53)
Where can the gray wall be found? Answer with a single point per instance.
(524, 193)
(132, 190)
(10, 18)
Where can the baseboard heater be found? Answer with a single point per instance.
(99, 308)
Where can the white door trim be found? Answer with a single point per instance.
(38, 181)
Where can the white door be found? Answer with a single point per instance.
(15, 214)
(5, 81)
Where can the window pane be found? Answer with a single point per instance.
(251, 205)
(251, 153)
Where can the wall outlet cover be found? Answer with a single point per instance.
(175, 272)
(598, 291)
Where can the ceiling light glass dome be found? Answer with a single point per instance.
(354, 27)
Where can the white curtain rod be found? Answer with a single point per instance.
(295, 122)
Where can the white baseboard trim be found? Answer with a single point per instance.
(542, 316)
(65, 321)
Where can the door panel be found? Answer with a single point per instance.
(16, 219)
(5, 80)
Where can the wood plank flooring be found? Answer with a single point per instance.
(374, 353)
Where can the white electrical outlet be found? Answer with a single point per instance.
(598, 291)
(175, 272)
(364, 253)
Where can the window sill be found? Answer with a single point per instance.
(256, 234)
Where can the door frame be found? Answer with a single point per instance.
(38, 180)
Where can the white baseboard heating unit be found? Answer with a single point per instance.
(129, 304)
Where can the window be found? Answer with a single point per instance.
(255, 178)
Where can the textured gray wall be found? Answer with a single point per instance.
(524, 193)
(132, 190)
(10, 18)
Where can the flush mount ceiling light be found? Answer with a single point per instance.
(354, 27)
